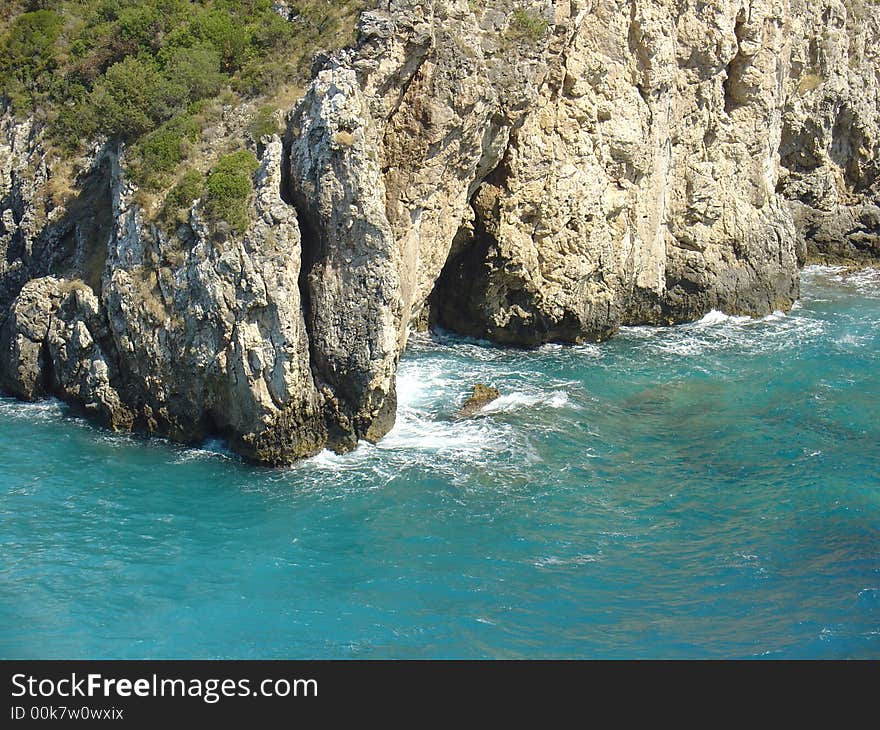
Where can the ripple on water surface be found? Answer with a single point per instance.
(709, 490)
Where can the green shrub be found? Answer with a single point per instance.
(28, 54)
(191, 187)
(230, 37)
(273, 32)
(74, 122)
(229, 187)
(263, 123)
(143, 70)
(133, 98)
(527, 25)
(157, 155)
(261, 77)
(140, 25)
(196, 69)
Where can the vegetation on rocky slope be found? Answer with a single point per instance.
(157, 73)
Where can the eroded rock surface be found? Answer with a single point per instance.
(830, 145)
(188, 336)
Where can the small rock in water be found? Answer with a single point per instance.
(482, 395)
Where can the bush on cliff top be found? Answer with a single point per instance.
(229, 187)
(191, 187)
(129, 68)
(29, 54)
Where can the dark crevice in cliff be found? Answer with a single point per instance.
(16, 243)
(796, 151)
(285, 191)
(309, 244)
(74, 246)
(46, 373)
(735, 68)
(87, 226)
(454, 302)
(847, 232)
(472, 283)
(310, 251)
(473, 287)
(848, 143)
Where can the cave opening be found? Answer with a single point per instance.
(453, 305)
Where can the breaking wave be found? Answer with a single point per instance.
(42, 411)
(518, 400)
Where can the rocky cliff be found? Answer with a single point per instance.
(520, 171)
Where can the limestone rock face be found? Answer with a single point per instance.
(830, 146)
(42, 230)
(186, 337)
(641, 186)
(521, 171)
(352, 271)
(23, 186)
(54, 341)
(387, 149)
(213, 336)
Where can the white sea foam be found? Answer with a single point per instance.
(820, 269)
(683, 347)
(850, 342)
(424, 434)
(518, 400)
(553, 561)
(125, 440)
(715, 317)
(718, 331)
(330, 460)
(47, 410)
(211, 449)
(421, 383)
(590, 350)
(865, 281)
(775, 316)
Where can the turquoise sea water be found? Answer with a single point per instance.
(710, 490)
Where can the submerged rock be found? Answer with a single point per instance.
(482, 395)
